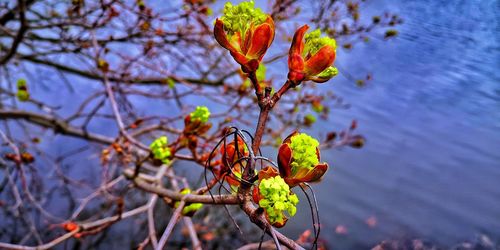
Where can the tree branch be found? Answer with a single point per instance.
(189, 198)
(20, 33)
(58, 125)
(143, 80)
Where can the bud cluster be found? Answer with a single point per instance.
(160, 149)
(276, 198)
(304, 152)
(200, 114)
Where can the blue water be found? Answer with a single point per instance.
(431, 165)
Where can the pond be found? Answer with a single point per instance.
(431, 165)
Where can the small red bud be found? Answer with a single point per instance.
(70, 226)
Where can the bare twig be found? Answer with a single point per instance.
(20, 33)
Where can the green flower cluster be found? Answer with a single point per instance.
(160, 149)
(314, 42)
(304, 154)
(328, 73)
(239, 18)
(201, 114)
(191, 208)
(22, 90)
(276, 198)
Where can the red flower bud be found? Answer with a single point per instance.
(303, 165)
(249, 48)
(230, 165)
(311, 57)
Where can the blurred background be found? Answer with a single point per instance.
(424, 90)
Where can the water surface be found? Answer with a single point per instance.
(431, 167)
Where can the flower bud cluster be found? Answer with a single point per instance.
(314, 42)
(304, 152)
(201, 114)
(239, 18)
(22, 90)
(160, 149)
(277, 198)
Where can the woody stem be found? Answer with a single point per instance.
(277, 96)
(258, 90)
(261, 125)
(266, 104)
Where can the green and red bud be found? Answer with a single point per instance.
(22, 90)
(197, 121)
(309, 119)
(311, 57)
(231, 166)
(246, 32)
(298, 159)
(160, 150)
(273, 194)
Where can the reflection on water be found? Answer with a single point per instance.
(431, 166)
